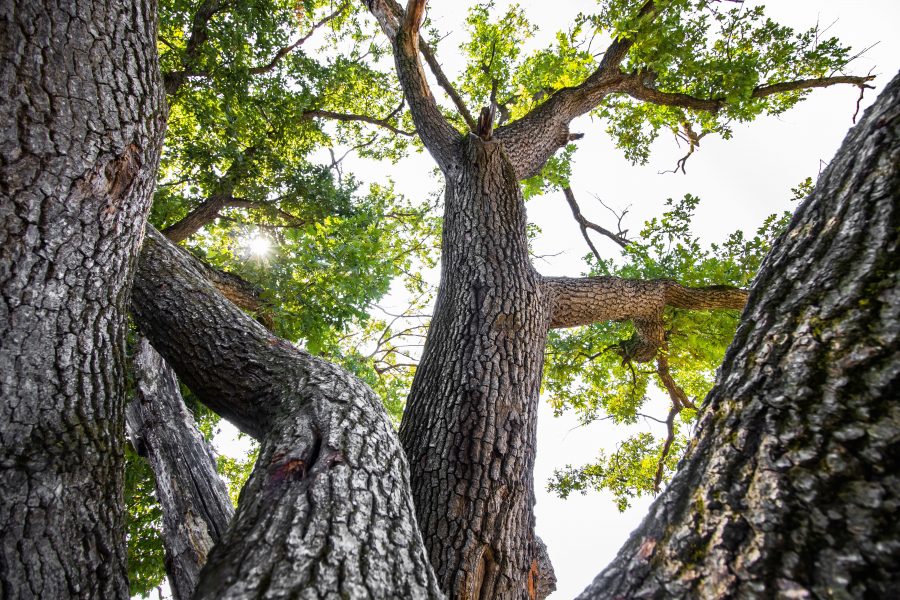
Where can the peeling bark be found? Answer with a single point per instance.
(195, 504)
(81, 123)
(791, 487)
(327, 510)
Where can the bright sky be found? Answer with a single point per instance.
(740, 182)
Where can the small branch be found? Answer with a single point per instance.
(584, 224)
(346, 117)
(199, 34)
(288, 49)
(635, 86)
(444, 82)
(679, 402)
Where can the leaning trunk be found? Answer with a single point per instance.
(195, 504)
(470, 423)
(790, 488)
(81, 123)
(327, 511)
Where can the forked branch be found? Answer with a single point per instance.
(584, 224)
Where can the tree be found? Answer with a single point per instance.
(468, 429)
(796, 445)
(82, 117)
(789, 487)
(330, 505)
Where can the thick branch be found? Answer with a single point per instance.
(190, 324)
(582, 301)
(436, 133)
(195, 504)
(327, 511)
(204, 214)
(534, 138)
(595, 299)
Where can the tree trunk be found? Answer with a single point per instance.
(470, 423)
(327, 510)
(791, 486)
(195, 504)
(81, 124)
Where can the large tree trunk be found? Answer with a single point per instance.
(470, 423)
(195, 504)
(81, 123)
(791, 486)
(327, 510)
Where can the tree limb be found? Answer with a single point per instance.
(346, 117)
(534, 138)
(436, 133)
(531, 140)
(323, 433)
(582, 301)
(199, 34)
(635, 86)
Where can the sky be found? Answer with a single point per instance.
(739, 181)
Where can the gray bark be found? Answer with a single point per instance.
(81, 123)
(790, 488)
(327, 510)
(195, 504)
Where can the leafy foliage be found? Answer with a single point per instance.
(146, 566)
(708, 50)
(584, 373)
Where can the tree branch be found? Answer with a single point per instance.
(322, 433)
(589, 300)
(195, 505)
(288, 49)
(582, 301)
(199, 34)
(534, 138)
(346, 117)
(436, 133)
(584, 224)
(635, 86)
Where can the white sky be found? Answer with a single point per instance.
(739, 181)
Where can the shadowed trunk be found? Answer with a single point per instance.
(790, 488)
(195, 504)
(81, 124)
(327, 509)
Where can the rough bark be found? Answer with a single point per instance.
(327, 510)
(791, 486)
(195, 504)
(81, 123)
(469, 425)
(582, 301)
